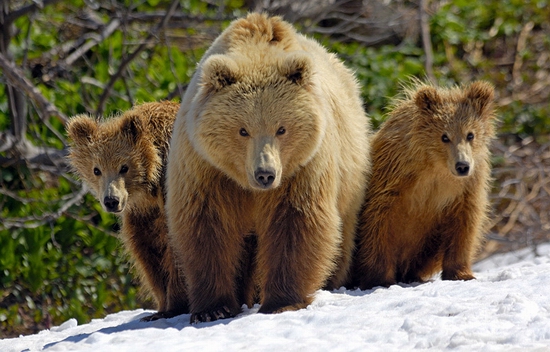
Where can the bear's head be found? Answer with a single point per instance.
(116, 158)
(456, 125)
(258, 122)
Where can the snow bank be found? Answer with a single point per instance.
(506, 309)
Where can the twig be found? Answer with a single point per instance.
(518, 62)
(426, 40)
(107, 31)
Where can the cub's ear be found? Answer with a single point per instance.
(218, 72)
(428, 100)
(480, 95)
(297, 68)
(132, 125)
(80, 128)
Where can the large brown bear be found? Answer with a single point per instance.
(123, 160)
(271, 139)
(427, 201)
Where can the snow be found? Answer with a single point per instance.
(506, 309)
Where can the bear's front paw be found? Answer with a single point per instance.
(273, 309)
(464, 275)
(164, 315)
(371, 281)
(212, 315)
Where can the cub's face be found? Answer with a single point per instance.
(108, 176)
(108, 157)
(457, 127)
(259, 127)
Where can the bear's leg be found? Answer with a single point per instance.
(377, 271)
(461, 235)
(296, 254)
(176, 292)
(247, 285)
(210, 246)
(376, 257)
(426, 261)
(147, 248)
(342, 273)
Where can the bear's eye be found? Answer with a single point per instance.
(470, 136)
(445, 139)
(124, 169)
(243, 132)
(281, 131)
(97, 172)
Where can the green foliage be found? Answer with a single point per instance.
(478, 40)
(66, 268)
(380, 71)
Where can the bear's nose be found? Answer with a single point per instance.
(462, 168)
(111, 203)
(264, 177)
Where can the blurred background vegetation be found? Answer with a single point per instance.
(59, 254)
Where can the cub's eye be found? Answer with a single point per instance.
(243, 132)
(124, 169)
(281, 131)
(445, 139)
(97, 172)
(470, 136)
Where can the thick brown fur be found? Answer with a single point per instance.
(427, 200)
(271, 139)
(123, 160)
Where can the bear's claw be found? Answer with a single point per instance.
(218, 313)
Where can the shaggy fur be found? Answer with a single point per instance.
(427, 201)
(123, 161)
(271, 139)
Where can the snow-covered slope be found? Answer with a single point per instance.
(506, 309)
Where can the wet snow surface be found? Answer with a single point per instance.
(506, 309)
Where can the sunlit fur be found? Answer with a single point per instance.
(260, 76)
(137, 140)
(420, 216)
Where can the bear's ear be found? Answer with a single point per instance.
(132, 126)
(297, 69)
(218, 72)
(480, 95)
(427, 100)
(80, 128)
(259, 27)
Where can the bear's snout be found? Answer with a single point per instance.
(111, 204)
(462, 168)
(264, 177)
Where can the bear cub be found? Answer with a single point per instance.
(122, 159)
(427, 202)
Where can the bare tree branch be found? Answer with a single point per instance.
(148, 41)
(34, 221)
(17, 79)
(14, 15)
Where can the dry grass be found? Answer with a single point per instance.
(520, 197)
